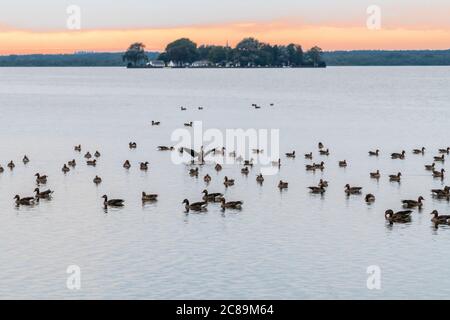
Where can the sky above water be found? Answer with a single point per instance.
(52, 26)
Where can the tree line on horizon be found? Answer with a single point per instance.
(247, 53)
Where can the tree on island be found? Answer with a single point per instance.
(180, 51)
(135, 55)
(314, 56)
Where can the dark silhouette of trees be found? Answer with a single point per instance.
(135, 55)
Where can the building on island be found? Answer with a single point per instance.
(156, 64)
(201, 64)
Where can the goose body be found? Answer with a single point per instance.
(28, 201)
(143, 166)
(77, 148)
(352, 190)
(41, 179)
(155, 123)
(446, 150)
(395, 177)
(441, 192)
(260, 178)
(97, 180)
(92, 163)
(398, 217)
(88, 155)
(193, 172)
(419, 151)
(218, 167)
(398, 155)
(413, 203)
(196, 206)
(375, 175)
(439, 158)
(231, 204)
(439, 219)
(207, 178)
(290, 154)
(370, 198)
(1, 169)
(112, 202)
(283, 185)
(65, 168)
(132, 145)
(214, 197)
(343, 163)
(228, 182)
(188, 124)
(43, 194)
(127, 164)
(97, 154)
(149, 197)
(11, 165)
(308, 155)
(245, 170)
(319, 189)
(439, 174)
(164, 148)
(429, 167)
(323, 183)
(72, 163)
(25, 159)
(324, 152)
(374, 153)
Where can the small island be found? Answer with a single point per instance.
(248, 53)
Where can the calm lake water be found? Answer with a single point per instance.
(288, 245)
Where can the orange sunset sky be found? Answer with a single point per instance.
(26, 27)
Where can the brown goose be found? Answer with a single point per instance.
(290, 154)
(395, 177)
(28, 201)
(370, 198)
(97, 180)
(132, 145)
(11, 165)
(439, 174)
(447, 150)
(127, 164)
(308, 155)
(320, 145)
(352, 190)
(25, 159)
(375, 175)
(88, 155)
(188, 124)
(374, 153)
(398, 217)
(231, 204)
(218, 167)
(283, 185)
(260, 178)
(319, 189)
(440, 158)
(398, 155)
(65, 168)
(155, 123)
(92, 163)
(324, 152)
(112, 202)
(419, 151)
(165, 148)
(193, 172)
(228, 182)
(439, 219)
(429, 167)
(41, 179)
(343, 163)
(441, 192)
(149, 197)
(144, 166)
(43, 194)
(72, 163)
(245, 170)
(77, 148)
(323, 183)
(1, 169)
(213, 197)
(207, 178)
(196, 206)
(97, 154)
(413, 203)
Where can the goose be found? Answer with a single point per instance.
(92, 163)
(324, 152)
(413, 203)
(343, 163)
(11, 165)
(28, 201)
(370, 198)
(72, 163)
(193, 172)
(97, 180)
(41, 179)
(399, 217)
(257, 107)
(196, 206)
(320, 146)
(290, 154)
(395, 177)
(352, 190)
(188, 124)
(283, 185)
(439, 174)
(200, 155)
(25, 159)
(155, 123)
(144, 166)
(439, 159)
(374, 153)
(308, 155)
(88, 155)
(319, 189)
(248, 163)
(375, 175)
(97, 154)
(207, 178)
(447, 150)
(310, 167)
(44, 194)
(149, 197)
(441, 192)
(218, 167)
(319, 166)
(228, 182)
(398, 155)
(419, 151)
(439, 219)
(132, 145)
(183, 109)
(77, 148)
(245, 170)
(260, 178)
(231, 204)
(1, 169)
(200, 108)
(214, 197)
(112, 202)
(429, 167)
(127, 164)
(272, 104)
(323, 183)
(164, 148)
(65, 168)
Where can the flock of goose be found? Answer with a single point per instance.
(391, 216)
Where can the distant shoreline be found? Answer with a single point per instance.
(332, 58)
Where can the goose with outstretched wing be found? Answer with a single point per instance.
(200, 155)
